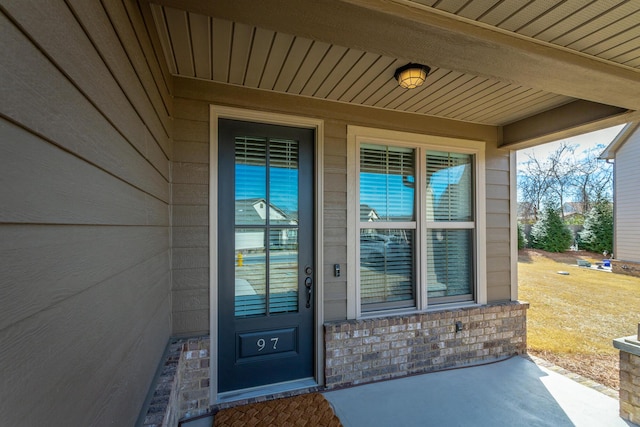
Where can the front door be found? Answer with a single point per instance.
(266, 258)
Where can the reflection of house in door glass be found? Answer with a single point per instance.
(254, 211)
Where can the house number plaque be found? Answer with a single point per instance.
(267, 342)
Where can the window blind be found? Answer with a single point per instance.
(450, 270)
(387, 256)
(449, 186)
(386, 268)
(386, 183)
(266, 218)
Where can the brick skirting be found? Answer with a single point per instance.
(362, 351)
(629, 376)
(630, 387)
(356, 352)
(182, 389)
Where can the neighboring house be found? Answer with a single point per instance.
(624, 153)
(252, 211)
(570, 209)
(367, 213)
(130, 129)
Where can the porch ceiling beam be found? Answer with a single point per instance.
(568, 120)
(419, 34)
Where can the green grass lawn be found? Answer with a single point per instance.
(573, 318)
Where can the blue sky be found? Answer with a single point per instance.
(585, 142)
(250, 184)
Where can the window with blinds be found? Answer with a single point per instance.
(450, 226)
(387, 227)
(416, 208)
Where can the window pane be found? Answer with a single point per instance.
(283, 270)
(386, 183)
(386, 269)
(251, 276)
(251, 180)
(449, 186)
(450, 263)
(283, 180)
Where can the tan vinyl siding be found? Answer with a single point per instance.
(498, 220)
(190, 231)
(335, 219)
(627, 203)
(84, 218)
(190, 220)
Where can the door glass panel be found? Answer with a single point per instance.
(283, 270)
(283, 242)
(250, 269)
(266, 204)
(251, 180)
(283, 180)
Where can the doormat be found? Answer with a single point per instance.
(305, 410)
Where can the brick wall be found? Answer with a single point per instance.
(361, 351)
(193, 390)
(182, 388)
(629, 377)
(162, 410)
(630, 387)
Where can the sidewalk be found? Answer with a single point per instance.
(513, 392)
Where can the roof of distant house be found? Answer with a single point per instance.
(609, 153)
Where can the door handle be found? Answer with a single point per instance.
(308, 283)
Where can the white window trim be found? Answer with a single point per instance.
(357, 135)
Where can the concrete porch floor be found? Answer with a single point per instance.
(513, 392)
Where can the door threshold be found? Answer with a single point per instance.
(265, 390)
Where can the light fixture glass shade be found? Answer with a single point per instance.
(412, 75)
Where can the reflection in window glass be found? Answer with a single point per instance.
(386, 183)
(449, 186)
(386, 268)
(266, 204)
(283, 270)
(251, 277)
(392, 240)
(449, 263)
(283, 178)
(251, 180)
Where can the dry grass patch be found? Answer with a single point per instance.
(573, 318)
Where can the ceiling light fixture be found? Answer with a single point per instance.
(411, 75)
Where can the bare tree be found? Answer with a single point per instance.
(562, 177)
(533, 184)
(593, 179)
(560, 168)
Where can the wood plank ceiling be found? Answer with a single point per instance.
(212, 48)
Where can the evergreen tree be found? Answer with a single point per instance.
(550, 233)
(597, 234)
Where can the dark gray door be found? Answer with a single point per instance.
(265, 245)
